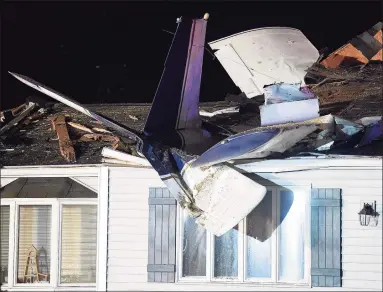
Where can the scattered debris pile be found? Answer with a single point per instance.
(53, 135)
(35, 133)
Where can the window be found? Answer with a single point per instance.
(269, 245)
(48, 234)
(34, 244)
(78, 244)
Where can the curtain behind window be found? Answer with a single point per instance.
(4, 241)
(78, 244)
(34, 229)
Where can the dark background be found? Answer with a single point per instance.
(114, 52)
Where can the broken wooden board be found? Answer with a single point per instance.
(65, 144)
(19, 118)
(80, 127)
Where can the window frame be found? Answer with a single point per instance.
(55, 254)
(242, 247)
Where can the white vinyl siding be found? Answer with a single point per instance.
(128, 229)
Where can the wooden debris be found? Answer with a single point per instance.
(7, 150)
(118, 155)
(101, 130)
(80, 127)
(98, 137)
(134, 118)
(18, 119)
(17, 110)
(96, 122)
(35, 116)
(65, 144)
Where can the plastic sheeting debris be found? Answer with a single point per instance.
(229, 110)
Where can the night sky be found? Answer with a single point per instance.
(99, 52)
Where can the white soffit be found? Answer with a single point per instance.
(264, 56)
(6, 180)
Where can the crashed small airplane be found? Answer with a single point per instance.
(190, 154)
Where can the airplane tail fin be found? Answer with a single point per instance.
(175, 105)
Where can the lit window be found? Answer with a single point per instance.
(51, 225)
(78, 244)
(267, 246)
(34, 244)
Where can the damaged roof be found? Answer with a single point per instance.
(351, 93)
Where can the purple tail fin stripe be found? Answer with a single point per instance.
(175, 105)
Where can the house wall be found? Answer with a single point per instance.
(128, 228)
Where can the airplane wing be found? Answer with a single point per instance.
(75, 105)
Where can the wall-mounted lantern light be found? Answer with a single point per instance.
(367, 213)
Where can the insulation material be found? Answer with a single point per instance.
(264, 56)
(223, 194)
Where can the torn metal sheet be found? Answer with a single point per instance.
(229, 110)
(346, 128)
(264, 56)
(289, 112)
(288, 103)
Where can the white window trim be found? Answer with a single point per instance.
(242, 247)
(102, 216)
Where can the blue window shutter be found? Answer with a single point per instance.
(162, 236)
(326, 238)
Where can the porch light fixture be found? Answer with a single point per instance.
(368, 212)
